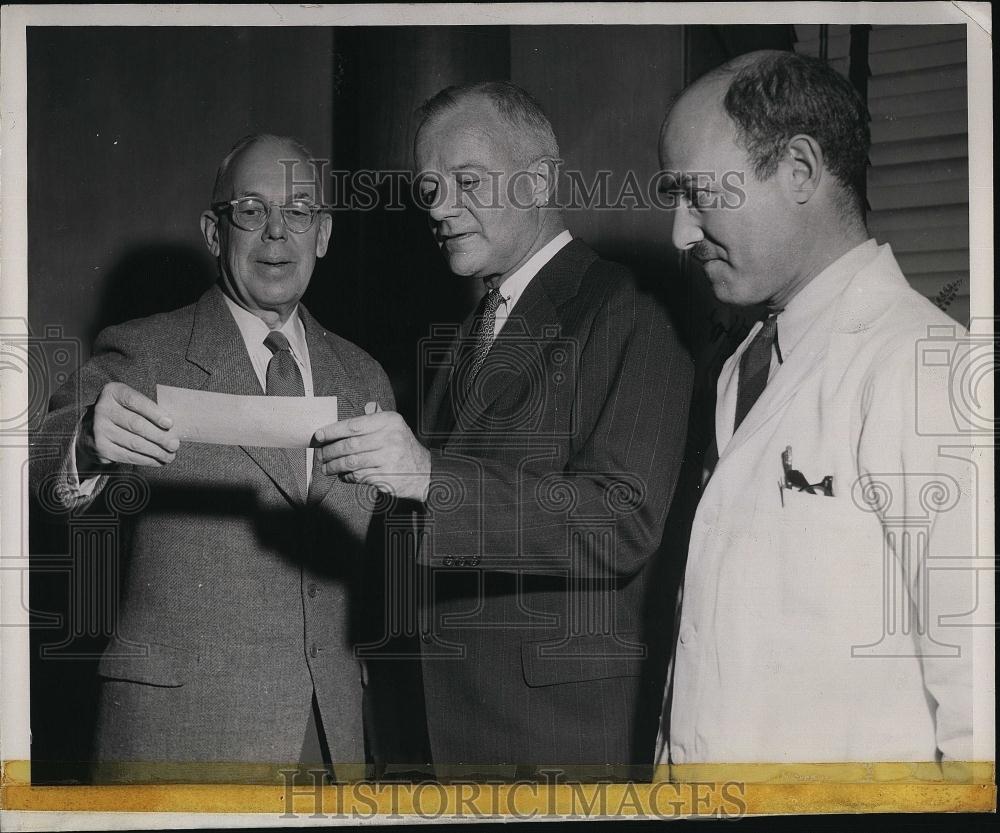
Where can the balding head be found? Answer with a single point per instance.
(265, 259)
(286, 151)
(764, 155)
(772, 96)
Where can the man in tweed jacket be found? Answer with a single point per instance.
(233, 652)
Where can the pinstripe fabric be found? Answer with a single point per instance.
(238, 595)
(534, 648)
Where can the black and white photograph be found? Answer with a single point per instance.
(483, 404)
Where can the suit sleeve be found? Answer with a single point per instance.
(119, 356)
(599, 510)
(382, 389)
(929, 481)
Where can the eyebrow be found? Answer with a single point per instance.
(432, 176)
(681, 182)
(298, 195)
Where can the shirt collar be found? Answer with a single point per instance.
(809, 302)
(254, 330)
(512, 288)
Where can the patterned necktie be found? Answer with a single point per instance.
(755, 364)
(486, 319)
(284, 379)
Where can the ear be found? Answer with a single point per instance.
(210, 231)
(546, 180)
(323, 233)
(804, 157)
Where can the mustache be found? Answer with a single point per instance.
(701, 251)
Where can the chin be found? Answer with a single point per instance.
(463, 267)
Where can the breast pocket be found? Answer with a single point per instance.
(831, 555)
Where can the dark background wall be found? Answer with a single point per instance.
(127, 126)
(125, 130)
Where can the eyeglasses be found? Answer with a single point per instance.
(252, 214)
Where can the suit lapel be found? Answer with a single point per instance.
(532, 325)
(217, 347)
(330, 378)
(521, 342)
(444, 398)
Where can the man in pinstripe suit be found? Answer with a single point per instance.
(552, 437)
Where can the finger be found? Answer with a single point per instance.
(354, 462)
(351, 427)
(135, 423)
(361, 476)
(143, 405)
(141, 460)
(136, 444)
(120, 454)
(351, 445)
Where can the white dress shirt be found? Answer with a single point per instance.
(254, 331)
(512, 288)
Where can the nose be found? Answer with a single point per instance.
(447, 202)
(274, 228)
(687, 230)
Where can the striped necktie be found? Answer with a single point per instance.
(284, 379)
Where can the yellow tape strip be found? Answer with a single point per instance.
(746, 789)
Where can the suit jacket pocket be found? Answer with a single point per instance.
(150, 663)
(580, 658)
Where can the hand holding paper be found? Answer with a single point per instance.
(378, 449)
(230, 419)
(125, 427)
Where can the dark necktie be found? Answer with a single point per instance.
(486, 319)
(755, 364)
(284, 379)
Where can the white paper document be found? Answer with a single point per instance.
(228, 419)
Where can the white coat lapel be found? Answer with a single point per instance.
(787, 379)
(867, 295)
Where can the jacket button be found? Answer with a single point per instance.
(687, 634)
(425, 636)
(312, 590)
(313, 650)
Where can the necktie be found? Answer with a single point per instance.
(284, 379)
(755, 363)
(486, 319)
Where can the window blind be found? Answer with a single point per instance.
(918, 182)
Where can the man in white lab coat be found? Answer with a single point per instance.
(809, 626)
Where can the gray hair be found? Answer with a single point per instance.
(530, 129)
